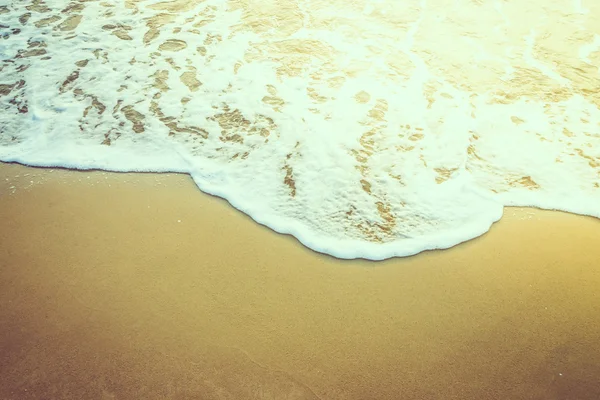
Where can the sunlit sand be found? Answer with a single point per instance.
(119, 286)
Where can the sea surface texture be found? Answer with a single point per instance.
(364, 128)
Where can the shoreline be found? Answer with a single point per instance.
(140, 286)
(184, 178)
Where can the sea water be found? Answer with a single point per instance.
(365, 128)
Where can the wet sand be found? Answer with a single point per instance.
(138, 286)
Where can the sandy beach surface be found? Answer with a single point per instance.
(139, 286)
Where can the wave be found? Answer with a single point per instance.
(366, 129)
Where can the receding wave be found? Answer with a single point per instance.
(364, 128)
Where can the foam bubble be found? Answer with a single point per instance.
(365, 129)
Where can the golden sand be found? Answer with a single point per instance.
(138, 286)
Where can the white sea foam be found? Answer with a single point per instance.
(364, 128)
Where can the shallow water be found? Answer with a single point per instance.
(364, 128)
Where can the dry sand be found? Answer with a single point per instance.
(138, 286)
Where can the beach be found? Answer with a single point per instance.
(139, 286)
(364, 131)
